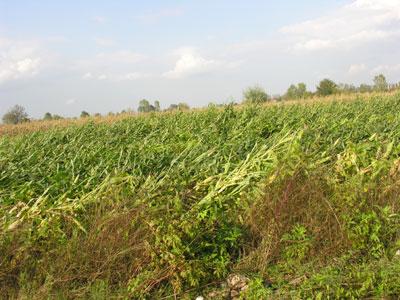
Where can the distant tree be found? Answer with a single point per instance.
(278, 97)
(327, 87)
(47, 116)
(297, 92)
(380, 83)
(57, 117)
(157, 105)
(84, 114)
(145, 106)
(183, 106)
(291, 93)
(302, 89)
(365, 88)
(15, 115)
(173, 107)
(97, 114)
(346, 88)
(255, 95)
(179, 106)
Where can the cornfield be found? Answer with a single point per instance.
(304, 196)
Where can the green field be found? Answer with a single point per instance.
(303, 199)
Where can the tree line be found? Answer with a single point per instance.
(326, 87)
(256, 94)
(17, 114)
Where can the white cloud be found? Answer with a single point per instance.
(190, 62)
(99, 19)
(87, 75)
(102, 77)
(386, 69)
(18, 59)
(58, 39)
(116, 77)
(104, 42)
(121, 56)
(70, 101)
(314, 44)
(352, 25)
(156, 16)
(133, 76)
(356, 69)
(118, 61)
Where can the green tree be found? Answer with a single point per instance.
(84, 114)
(327, 87)
(145, 106)
(297, 92)
(380, 83)
(365, 88)
(157, 105)
(255, 94)
(57, 117)
(47, 116)
(346, 88)
(173, 107)
(183, 106)
(15, 115)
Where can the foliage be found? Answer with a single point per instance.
(15, 115)
(84, 114)
(161, 205)
(48, 116)
(157, 105)
(145, 106)
(365, 88)
(380, 83)
(255, 95)
(297, 91)
(179, 106)
(327, 87)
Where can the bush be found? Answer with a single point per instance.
(15, 115)
(255, 95)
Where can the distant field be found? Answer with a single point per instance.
(41, 125)
(302, 199)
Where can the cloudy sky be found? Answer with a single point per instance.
(100, 56)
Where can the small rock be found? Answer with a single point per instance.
(243, 288)
(236, 281)
(212, 294)
(234, 293)
(199, 298)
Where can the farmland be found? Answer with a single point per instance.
(303, 199)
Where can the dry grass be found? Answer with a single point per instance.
(114, 249)
(41, 125)
(311, 202)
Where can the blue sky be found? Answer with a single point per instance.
(102, 56)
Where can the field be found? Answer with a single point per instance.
(302, 199)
